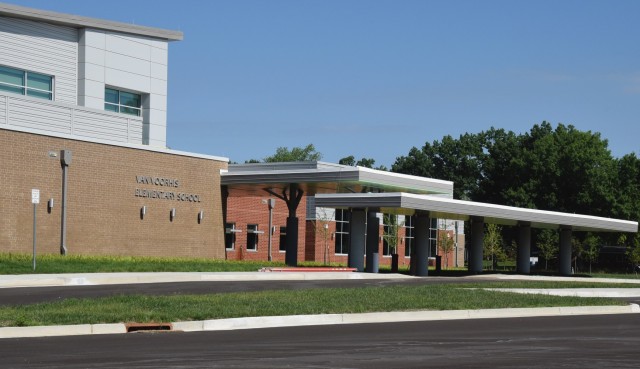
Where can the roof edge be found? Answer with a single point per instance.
(79, 21)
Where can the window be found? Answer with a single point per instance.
(283, 239)
(26, 83)
(342, 231)
(433, 237)
(408, 236)
(252, 237)
(230, 236)
(122, 102)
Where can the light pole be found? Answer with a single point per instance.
(326, 245)
(271, 203)
(456, 248)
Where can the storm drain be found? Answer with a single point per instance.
(149, 327)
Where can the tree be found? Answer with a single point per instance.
(283, 154)
(390, 232)
(390, 237)
(364, 162)
(590, 249)
(548, 245)
(445, 242)
(321, 227)
(493, 244)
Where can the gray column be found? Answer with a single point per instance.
(421, 244)
(523, 264)
(477, 243)
(564, 259)
(357, 240)
(373, 233)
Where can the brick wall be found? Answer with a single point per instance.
(103, 211)
(252, 210)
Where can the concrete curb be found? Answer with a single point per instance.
(557, 278)
(321, 319)
(574, 292)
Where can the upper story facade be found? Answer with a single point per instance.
(83, 77)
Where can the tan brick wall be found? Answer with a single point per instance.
(103, 213)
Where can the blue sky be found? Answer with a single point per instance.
(375, 78)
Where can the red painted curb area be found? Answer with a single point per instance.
(309, 269)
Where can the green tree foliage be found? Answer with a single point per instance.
(364, 162)
(548, 245)
(563, 169)
(559, 169)
(493, 244)
(590, 249)
(283, 154)
(391, 231)
(445, 245)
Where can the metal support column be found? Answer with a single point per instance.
(477, 245)
(523, 265)
(421, 243)
(564, 259)
(373, 233)
(357, 239)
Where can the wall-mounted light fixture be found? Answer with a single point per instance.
(172, 214)
(143, 211)
(200, 216)
(49, 205)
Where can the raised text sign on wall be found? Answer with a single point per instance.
(167, 189)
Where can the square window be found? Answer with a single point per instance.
(122, 102)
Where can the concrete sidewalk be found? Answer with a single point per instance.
(89, 279)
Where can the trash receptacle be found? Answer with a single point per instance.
(438, 263)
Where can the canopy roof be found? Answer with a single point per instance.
(320, 177)
(446, 208)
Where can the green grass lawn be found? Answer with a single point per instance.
(136, 308)
(46, 264)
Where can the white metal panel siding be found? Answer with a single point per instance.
(116, 128)
(3, 110)
(43, 48)
(53, 117)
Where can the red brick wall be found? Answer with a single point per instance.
(251, 210)
(103, 213)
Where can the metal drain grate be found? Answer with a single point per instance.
(148, 327)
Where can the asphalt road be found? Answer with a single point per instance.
(30, 295)
(605, 341)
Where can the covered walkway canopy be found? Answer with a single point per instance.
(290, 181)
(367, 191)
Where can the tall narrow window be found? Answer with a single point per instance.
(342, 231)
(433, 237)
(122, 102)
(252, 237)
(26, 83)
(230, 236)
(408, 236)
(283, 239)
